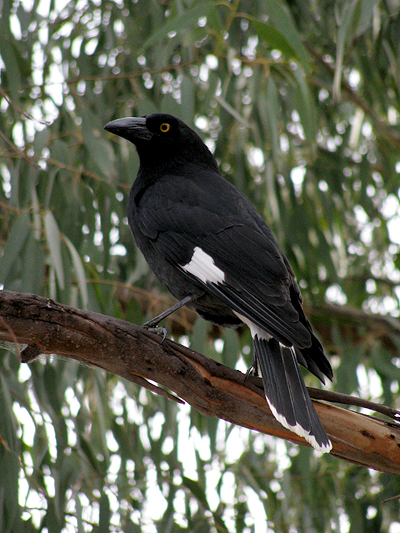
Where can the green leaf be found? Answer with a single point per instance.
(37, 221)
(188, 100)
(33, 266)
(188, 20)
(104, 522)
(366, 14)
(9, 468)
(88, 449)
(53, 238)
(305, 106)
(100, 149)
(198, 491)
(281, 33)
(231, 349)
(275, 39)
(41, 140)
(60, 152)
(199, 337)
(9, 56)
(9, 424)
(272, 105)
(79, 271)
(343, 36)
(16, 240)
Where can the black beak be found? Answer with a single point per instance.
(130, 128)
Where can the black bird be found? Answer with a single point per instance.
(207, 243)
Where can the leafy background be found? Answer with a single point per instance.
(299, 101)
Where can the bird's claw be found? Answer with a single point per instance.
(252, 370)
(158, 330)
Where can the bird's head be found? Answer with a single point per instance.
(160, 137)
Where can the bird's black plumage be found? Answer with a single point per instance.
(203, 238)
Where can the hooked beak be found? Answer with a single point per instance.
(130, 128)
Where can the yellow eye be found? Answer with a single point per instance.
(165, 127)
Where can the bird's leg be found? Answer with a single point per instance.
(152, 324)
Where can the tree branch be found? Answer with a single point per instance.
(135, 354)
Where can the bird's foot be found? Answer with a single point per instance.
(252, 370)
(158, 330)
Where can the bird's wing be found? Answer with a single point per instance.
(224, 245)
(250, 284)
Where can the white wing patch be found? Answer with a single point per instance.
(202, 266)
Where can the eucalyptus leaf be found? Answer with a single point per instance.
(53, 238)
(343, 36)
(79, 270)
(16, 240)
(187, 20)
(281, 33)
(105, 514)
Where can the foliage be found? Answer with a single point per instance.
(299, 100)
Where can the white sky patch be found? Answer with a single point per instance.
(72, 401)
(210, 145)
(43, 9)
(203, 74)
(32, 500)
(212, 61)
(118, 249)
(257, 517)
(256, 157)
(186, 451)
(202, 266)
(153, 494)
(370, 385)
(24, 373)
(236, 443)
(28, 426)
(354, 78)
(18, 135)
(112, 444)
(334, 294)
(393, 116)
(15, 27)
(219, 345)
(390, 206)
(156, 424)
(391, 211)
(202, 123)
(394, 229)
(297, 176)
(284, 143)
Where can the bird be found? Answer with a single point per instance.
(207, 243)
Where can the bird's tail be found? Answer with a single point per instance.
(286, 392)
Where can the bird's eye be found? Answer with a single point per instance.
(165, 127)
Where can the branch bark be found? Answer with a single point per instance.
(135, 354)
